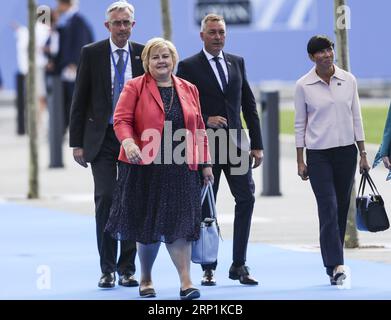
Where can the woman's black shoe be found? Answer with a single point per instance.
(147, 293)
(338, 279)
(189, 294)
(338, 276)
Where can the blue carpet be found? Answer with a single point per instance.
(46, 254)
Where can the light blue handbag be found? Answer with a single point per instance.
(205, 249)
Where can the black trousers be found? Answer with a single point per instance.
(242, 188)
(68, 88)
(104, 170)
(331, 172)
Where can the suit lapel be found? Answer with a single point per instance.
(229, 68)
(135, 61)
(106, 70)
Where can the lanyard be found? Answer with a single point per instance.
(120, 77)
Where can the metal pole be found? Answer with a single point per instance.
(56, 121)
(20, 103)
(270, 132)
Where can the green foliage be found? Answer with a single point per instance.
(287, 119)
(374, 118)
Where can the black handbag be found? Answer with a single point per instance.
(205, 249)
(370, 212)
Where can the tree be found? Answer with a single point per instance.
(33, 192)
(341, 26)
(166, 19)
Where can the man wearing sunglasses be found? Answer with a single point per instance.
(104, 68)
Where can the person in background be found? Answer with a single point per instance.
(74, 32)
(22, 42)
(51, 48)
(104, 68)
(224, 94)
(159, 200)
(328, 123)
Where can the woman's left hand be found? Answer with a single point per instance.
(207, 173)
(364, 165)
(386, 162)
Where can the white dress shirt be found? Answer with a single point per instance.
(22, 42)
(327, 116)
(128, 70)
(213, 65)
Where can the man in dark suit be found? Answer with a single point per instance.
(224, 92)
(74, 33)
(104, 68)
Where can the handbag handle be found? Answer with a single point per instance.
(371, 184)
(212, 201)
(207, 192)
(362, 184)
(204, 190)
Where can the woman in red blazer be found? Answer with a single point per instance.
(163, 142)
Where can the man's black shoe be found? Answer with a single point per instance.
(208, 278)
(107, 280)
(127, 280)
(242, 274)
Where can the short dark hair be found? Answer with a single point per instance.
(318, 43)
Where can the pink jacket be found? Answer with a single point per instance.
(140, 115)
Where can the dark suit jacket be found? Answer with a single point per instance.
(75, 34)
(92, 99)
(214, 102)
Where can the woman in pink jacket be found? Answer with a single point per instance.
(163, 143)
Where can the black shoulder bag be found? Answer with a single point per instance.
(370, 212)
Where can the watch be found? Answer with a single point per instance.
(363, 153)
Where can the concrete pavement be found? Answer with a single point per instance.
(289, 221)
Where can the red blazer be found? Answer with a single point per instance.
(139, 114)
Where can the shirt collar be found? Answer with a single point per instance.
(313, 77)
(114, 47)
(210, 57)
(339, 73)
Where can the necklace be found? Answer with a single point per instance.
(171, 100)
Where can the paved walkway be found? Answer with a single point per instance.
(56, 255)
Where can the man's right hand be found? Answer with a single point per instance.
(78, 155)
(217, 122)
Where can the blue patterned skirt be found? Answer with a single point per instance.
(156, 202)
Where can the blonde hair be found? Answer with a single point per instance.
(158, 43)
(211, 17)
(120, 5)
